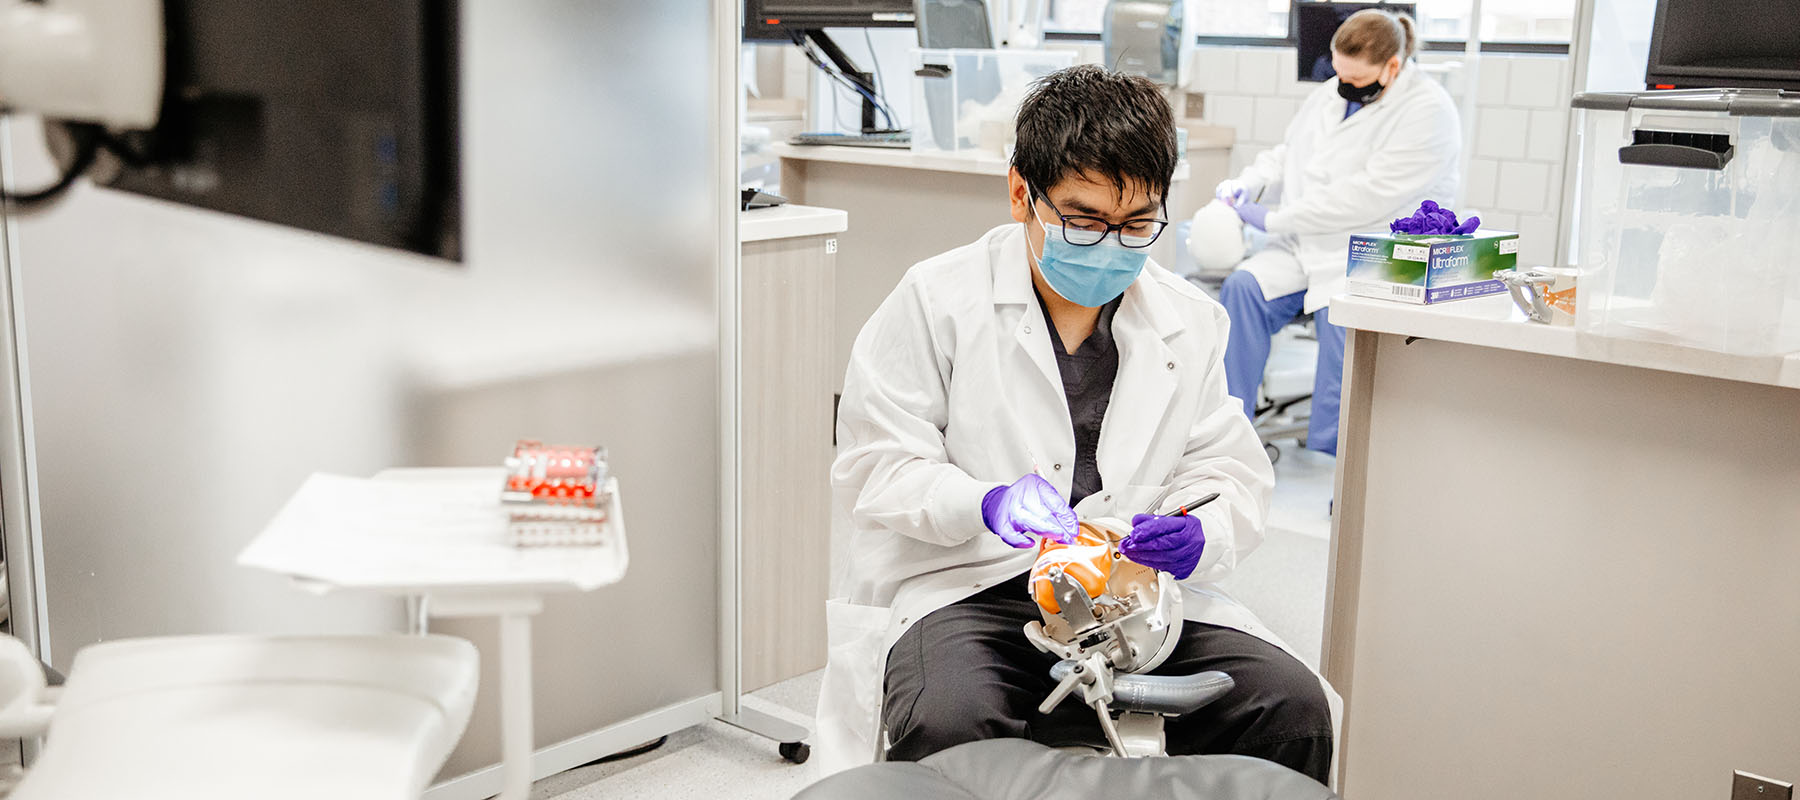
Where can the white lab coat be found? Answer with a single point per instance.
(953, 389)
(1334, 176)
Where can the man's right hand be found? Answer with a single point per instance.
(1027, 510)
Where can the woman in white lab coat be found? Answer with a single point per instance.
(1366, 147)
(960, 384)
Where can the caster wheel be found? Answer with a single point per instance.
(1273, 451)
(796, 752)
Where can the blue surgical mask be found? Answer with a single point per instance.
(1090, 276)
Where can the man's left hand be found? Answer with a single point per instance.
(1168, 544)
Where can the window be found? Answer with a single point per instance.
(1206, 17)
(1535, 21)
(1075, 16)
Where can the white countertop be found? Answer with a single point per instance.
(1496, 322)
(970, 162)
(789, 221)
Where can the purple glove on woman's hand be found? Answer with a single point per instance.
(1256, 215)
(1169, 544)
(1026, 510)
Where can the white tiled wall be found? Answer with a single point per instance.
(1515, 177)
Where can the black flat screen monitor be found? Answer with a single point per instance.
(1313, 24)
(782, 19)
(336, 116)
(1725, 44)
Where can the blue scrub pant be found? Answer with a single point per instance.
(1254, 322)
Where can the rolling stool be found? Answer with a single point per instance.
(1018, 769)
(269, 717)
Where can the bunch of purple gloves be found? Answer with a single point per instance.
(1434, 220)
(1030, 509)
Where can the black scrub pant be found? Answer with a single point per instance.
(966, 672)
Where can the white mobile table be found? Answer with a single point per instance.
(439, 534)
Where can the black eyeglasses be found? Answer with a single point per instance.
(1085, 231)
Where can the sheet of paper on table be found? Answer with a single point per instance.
(421, 530)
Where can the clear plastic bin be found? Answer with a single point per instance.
(968, 99)
(1689, 218)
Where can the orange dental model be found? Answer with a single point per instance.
(1089, 560)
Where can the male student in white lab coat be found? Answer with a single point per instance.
(1365, 148)
(1050, 359)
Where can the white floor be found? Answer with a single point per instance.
(1283, 582)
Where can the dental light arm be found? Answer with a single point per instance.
(98, 61)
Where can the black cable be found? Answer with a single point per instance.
(118, 146)
(87, 148)
(837, 114)
(834, 74)
(844, 83)
(880, 83)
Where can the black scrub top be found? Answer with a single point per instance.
(1087, 378)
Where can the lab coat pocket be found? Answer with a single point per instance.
(850, 694)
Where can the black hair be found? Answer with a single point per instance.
(1090, 119)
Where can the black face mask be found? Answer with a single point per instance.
(1360, 94)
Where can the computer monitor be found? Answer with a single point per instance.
(1313, 24)
(786, 20)
(326, 115)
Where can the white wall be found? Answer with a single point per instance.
(1515, 175)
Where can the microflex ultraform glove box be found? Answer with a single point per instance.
(1430, 269)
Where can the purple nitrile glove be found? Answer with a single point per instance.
(1256, 215)
(1028, 509)
(1169, 544)
(1434, 220)
(1231, 191)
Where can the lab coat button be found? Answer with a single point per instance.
(1027, 328)
(1057, 466)
(1171, 365)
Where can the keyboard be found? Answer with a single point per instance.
(898, 140)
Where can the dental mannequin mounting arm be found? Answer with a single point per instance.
(1109, 620)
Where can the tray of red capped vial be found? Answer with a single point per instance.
(557, 495)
